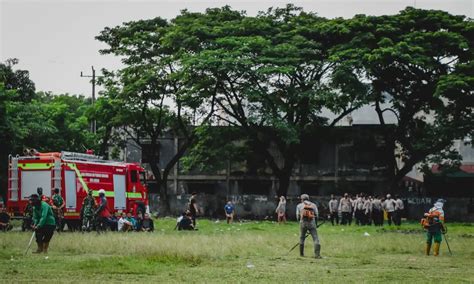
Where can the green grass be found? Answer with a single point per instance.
(245, 252)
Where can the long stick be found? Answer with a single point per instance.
(446, 239)
(31, 241)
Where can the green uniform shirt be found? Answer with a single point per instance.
(43, 215)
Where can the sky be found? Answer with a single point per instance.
(54, 40)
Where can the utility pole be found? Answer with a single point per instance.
(93, 123)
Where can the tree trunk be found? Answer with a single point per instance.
(162, 188)
(283, 184)
(401, 173)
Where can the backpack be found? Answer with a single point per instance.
(308, 213)
(430, 219)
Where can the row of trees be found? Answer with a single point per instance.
(271, 77)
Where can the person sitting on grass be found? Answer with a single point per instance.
(132, 220)
(186, 223)
(123, 224)
(147, 224)
(5, 220)
(139, 221)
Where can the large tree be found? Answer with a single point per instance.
(419, 64)
(148, 94)
(271, 75)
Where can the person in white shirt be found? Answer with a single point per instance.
(389, 207)
(333, 210)
(399, 207)
(123, 225)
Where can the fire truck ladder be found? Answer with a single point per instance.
(13, 178)
(57, 174)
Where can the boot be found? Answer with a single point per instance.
(45, 247)
(301, 250)
(436, 249)
(39, 249)
(317, 251)
(427, 249)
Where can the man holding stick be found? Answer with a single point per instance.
(307, 213)
(44, 223)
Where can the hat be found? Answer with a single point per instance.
(440, 200)
(101, 192)
(304, 197)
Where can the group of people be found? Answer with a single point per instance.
(365, 210)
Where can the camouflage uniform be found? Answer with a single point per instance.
(87, 211)
(57, 203)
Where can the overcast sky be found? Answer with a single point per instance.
(54, 40)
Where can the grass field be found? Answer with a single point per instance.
(244, 252)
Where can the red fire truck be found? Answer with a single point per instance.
(75, 174)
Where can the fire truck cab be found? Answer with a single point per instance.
(75, 174)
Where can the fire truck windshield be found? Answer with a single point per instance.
(142, 178)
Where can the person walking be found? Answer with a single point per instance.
(281, 210)
(193, 208)
(345, 207)
(57, 204)
(333, 210)
(87, 211)
(229, 212)
(43, 223)
(433, 223)
(307, 213)
(389, 207)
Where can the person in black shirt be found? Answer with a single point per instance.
(5, 220)
(186, 222)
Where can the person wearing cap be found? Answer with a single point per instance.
(389, 207)
(307, 213)
(57, 203)
(43, 223)
(102, 212)
(433, 223)
(87, 211)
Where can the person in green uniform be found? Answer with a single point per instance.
(43, 223)
(87, 211)
(57, 203)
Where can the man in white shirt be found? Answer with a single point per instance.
(123, 225)
(399, 207)
(389, 207)
(333, 210)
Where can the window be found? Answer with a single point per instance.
(133, 176)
